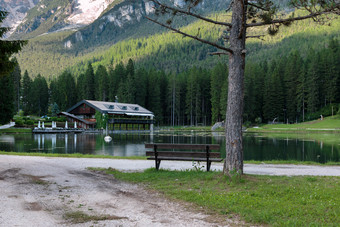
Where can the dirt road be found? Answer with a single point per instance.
(40, 191)
(49, 192)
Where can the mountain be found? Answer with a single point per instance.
(30, 18)
(62, 36)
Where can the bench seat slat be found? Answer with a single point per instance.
(183, 146)
(184, 154)
(185, 159)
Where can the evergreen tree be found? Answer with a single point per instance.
(39, 96)
(17, 86)
(141, 85)
(130, 89)
(102, 80)
(7, 49)
(81, 87)
(313, 82)
(89, 83)
(217, 80)
(7, 95)
(67, 90)
(118, 82)
(153, 94)
(26, 92)
(130, 68)
(293, 70)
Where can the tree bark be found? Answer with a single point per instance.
(233, 163)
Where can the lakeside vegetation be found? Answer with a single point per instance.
(327, 125)
(264, 200)
(16, 130)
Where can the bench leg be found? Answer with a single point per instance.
(158, 162)
(208, 166)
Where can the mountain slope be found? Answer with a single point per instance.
(35, 17)
(122, 32)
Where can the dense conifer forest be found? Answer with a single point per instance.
(294, 88)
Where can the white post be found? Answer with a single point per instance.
(151, 125)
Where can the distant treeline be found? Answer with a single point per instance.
(290, 89)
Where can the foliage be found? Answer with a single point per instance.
(9, 75)
(307, 200)
(7, 109)
(101, 120)
(198, 96)
(7, 49)
(55, 109)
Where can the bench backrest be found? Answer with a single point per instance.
(163, 146)
(183, 146)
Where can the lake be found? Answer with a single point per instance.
(256, 147)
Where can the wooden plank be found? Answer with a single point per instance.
(186, 159)
(183, 146)
(183, 154)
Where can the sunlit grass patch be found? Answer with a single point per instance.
(272, 200)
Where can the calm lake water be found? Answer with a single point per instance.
(132, 144)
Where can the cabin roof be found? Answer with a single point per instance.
(115, 108)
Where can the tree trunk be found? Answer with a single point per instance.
(233, 163)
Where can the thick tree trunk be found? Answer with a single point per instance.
(233, 163)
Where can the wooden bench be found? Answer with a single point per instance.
(165, 151)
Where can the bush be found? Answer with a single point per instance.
(54, 118)
(325, 112)
(19, 122)
(29, 122)
(21, 113)
(62, 119)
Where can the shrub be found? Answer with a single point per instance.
(29, 122)
(19, 122)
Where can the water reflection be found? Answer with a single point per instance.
(132, 144)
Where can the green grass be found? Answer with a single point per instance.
(16, 130)
(329, 124)
(264, 200)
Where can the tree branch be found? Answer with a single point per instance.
(256, 6)
(282, 21)
(191, 14)
(219, 53)
(191, 36)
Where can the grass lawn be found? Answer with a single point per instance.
(327, 124)
(16, 130)
(328, 138)
(264, 200)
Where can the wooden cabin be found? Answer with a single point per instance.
(121, 116)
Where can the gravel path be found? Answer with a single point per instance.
(40, 191)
